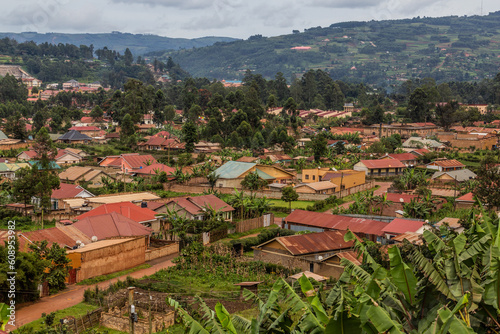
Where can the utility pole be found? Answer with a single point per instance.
(131, 309)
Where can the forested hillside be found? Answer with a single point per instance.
(137, 43)
(375, 52)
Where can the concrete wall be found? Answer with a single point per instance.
(111, 259)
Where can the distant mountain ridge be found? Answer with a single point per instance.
(384, 53)
(139, 44)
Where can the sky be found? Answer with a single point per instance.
(230, 18)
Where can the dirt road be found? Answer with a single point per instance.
(74, 294)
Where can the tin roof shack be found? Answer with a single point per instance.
(307, 252)
(107, 256)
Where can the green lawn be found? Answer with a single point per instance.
(76, 311)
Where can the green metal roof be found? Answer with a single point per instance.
(264, 175)
(233, 169)
(2, 135)
(4, 167)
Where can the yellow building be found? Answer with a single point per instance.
(345, 179)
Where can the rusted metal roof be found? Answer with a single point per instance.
(127, 209)
(336, 222)
(311, 243)
(403, 225)
(65, 236)
(412, 237)
(447, 163)
(349, 255)
(382, 163)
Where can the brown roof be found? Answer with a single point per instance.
(247, 159)
(74, 173)
(349, 255)
(452, 222)
(111, 225)
(64, 236)
(402, 156)
(336, 222)
(195, 205)
(382, 163)
(311, 243)
(412, 237)
(138, 161)
(448, 163)
(403, 225)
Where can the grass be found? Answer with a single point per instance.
(76, 311)
(295, 204)
(255, 230)
(249, 314)
(102, 278)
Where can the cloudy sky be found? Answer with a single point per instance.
(232, 18)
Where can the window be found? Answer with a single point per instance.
(307, 176)
(314, 177)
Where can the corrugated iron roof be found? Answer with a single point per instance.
(233, 169)
(212, 201)
(412, 237)
(336, 222)
(458, 175)
(402, 156)
(447, 163)
(67, 190)
(74, 173)
(138, 161)
(308, 274)
(469, 197)
(64, 236)
(382, 163)
(400, 198)
(402, 225)
(452, 222)
(318, 186)
(74, 135)
(111, 225)
(126, 209)
(311, 243)
(349, 255)
(156, 168)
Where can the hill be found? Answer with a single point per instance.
(137, 43)
(376, 52)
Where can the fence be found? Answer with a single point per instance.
(251, 224)
(85, 322)
(199, 189)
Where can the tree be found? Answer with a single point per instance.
(97, 113)
(15, 127)
(190, 135)
(253, 182)
(288, 194)
(22, 187)
(418, 106)
(127, 131)
(56, 263)
(128, 57)
(488, 182)
(45, 180)
(318, 145)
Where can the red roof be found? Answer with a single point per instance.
(382, 163)
(67, 191)
(126, 209)
(87, 119)
(65, 236)
(156, 169)
(315, 242)
(138, 161)
(402, 225)
(469, 197)
(403, 156)
(31, 154)
(396, 198)
(335, 222)
(111, 225)
(61, 153)
(195, 205)
(421, 151)
(163, 134)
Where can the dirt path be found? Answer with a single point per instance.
(74, 294)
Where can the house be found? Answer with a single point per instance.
(403, 225)
(412, 237)
(310, 252)
(206, 147)
(93, 177)
(419, 151)
(162, 144)
(344, 178)
(138, 214)
(380, 168)
(445, 165)
(302, 142)
(248, 159)
(111, 225)
(420, 142)
(65, 157)
(466, 201)
(9, 170)
(321, 187)
(77, 151)
(300, 220)
(454, 176)
(408, 159)
(128, 163)
(193, 208)
(91, 131)
(64, 191)
(154, 169)
(404, 130)
(12, 144)
(232, 173)
(74, 137)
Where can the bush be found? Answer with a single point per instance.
(266, 235)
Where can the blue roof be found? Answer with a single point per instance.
(52, 164)
(233, 169)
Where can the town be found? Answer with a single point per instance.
(173, 204)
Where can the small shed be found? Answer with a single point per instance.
(308, 274)
(252, 286)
